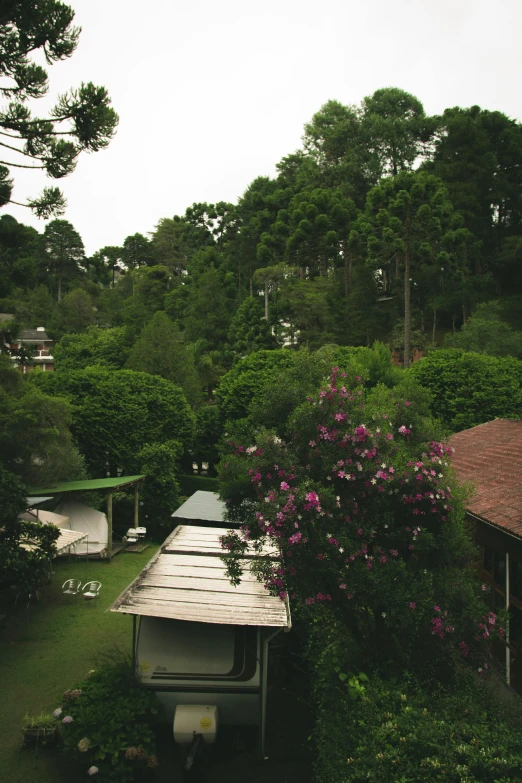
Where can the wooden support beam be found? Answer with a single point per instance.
(136, 504)
(109, 523)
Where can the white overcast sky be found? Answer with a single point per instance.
(212, 94)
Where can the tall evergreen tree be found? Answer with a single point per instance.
(63, 251)
(409, 216)
(82, 119)
(160, 350)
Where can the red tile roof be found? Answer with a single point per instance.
(490, 456)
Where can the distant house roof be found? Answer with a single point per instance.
(34, 334)
(490, 455)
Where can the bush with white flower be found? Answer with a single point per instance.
(109, 725)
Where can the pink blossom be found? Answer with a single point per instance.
(284, 485)
(413, 605)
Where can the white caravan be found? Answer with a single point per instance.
(202, 641)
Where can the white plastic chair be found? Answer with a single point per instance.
(71, 587)
(91, 590)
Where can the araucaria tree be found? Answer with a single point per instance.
(408, 218)
(82, 120)
(64, 251)
(360, 508)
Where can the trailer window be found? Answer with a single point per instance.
(176, 649)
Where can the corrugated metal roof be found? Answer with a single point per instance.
(203, 507)
(34, 501)
(66, 539)
(189, 539)
(189, 582)
(87, 485)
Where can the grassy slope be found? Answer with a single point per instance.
(52, 652)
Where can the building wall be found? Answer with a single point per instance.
(493, 545)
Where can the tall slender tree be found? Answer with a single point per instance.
(409, 215)
(63, 251)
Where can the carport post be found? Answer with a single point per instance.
(136, 504)
(109, 524)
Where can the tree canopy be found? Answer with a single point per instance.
(82, 119)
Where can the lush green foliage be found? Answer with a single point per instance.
(159, 350)
(246, 379)
(249, 332)
(161, 492)
(361, 502)
(470, 388)
(486, 332)
(106, 721)
(264, 389)
(102, 347)
(22, 569)
(35, 447)
(35, 441)
(396, 731)
(116, 414)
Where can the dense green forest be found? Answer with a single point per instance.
(387, 228)
(384, 216)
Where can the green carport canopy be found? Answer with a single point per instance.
(88, 485)
(110, 485)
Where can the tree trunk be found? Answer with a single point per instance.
(266, 300)
(322, 266)
(463, 314)
(453, 319)
(251, 285)
(347, 272)
(422, 325)
(434, 323)
(407, 310)
(59, 288)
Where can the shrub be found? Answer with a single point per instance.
(374, 728)
(470, 388)
(106, 722)
(369, 522)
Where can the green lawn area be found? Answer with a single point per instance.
(51, 652)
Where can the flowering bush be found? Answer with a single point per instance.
(362, 505)
(108, 725)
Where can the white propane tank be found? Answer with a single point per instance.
(191, 719)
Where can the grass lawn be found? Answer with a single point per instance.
(51, 652)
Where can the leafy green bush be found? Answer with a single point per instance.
(191, 484)
(487, 332)
(106, 722)
(372, 728)
(470, 388)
